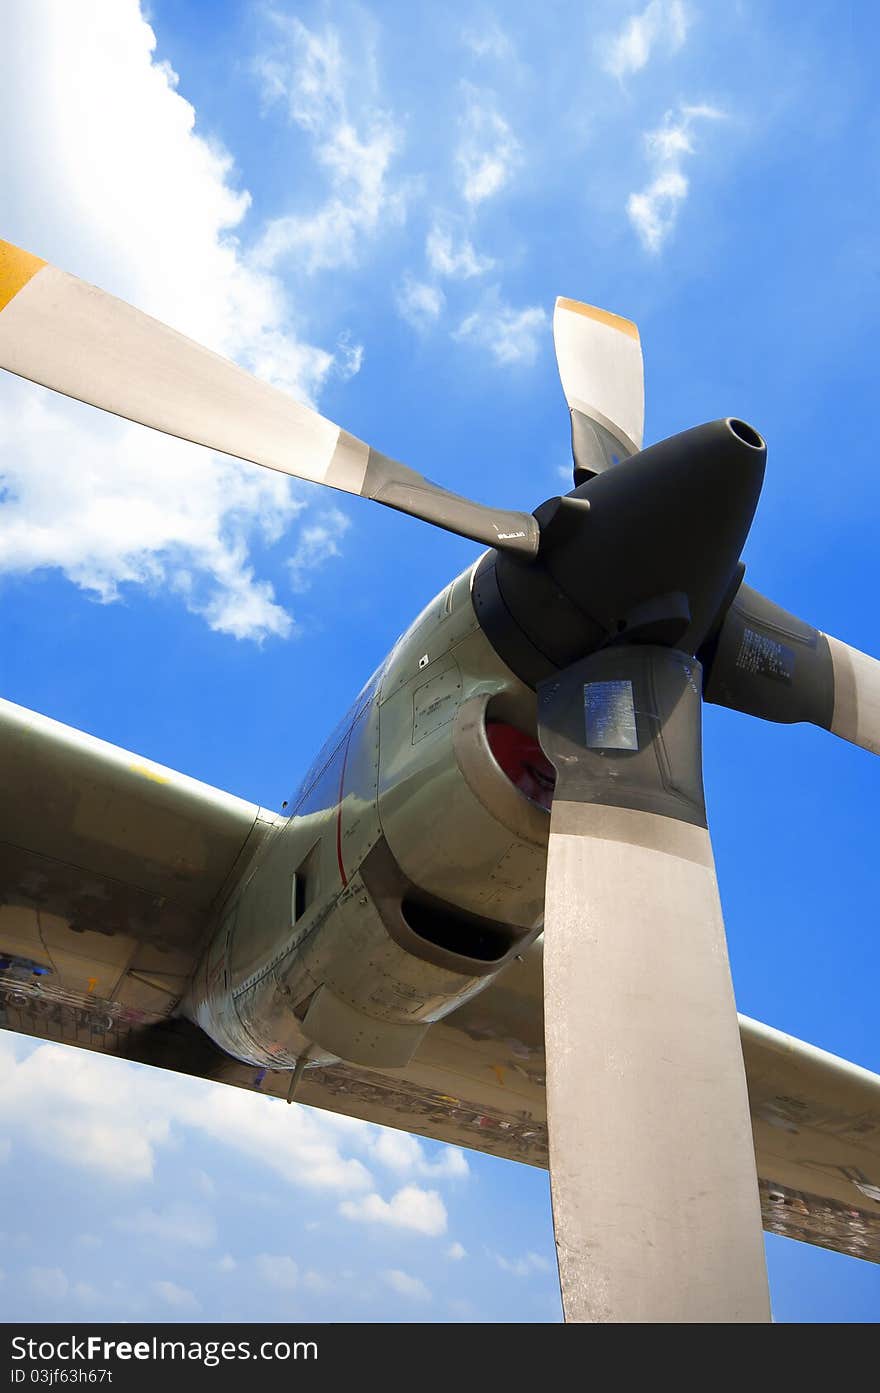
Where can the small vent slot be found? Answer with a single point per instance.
(301, 1009)
(304, 885)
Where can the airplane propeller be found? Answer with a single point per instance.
(65, 334)
(623, 604)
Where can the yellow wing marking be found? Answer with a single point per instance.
(148, 773)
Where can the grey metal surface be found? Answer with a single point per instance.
(655, 1199)
(109, 867)
(856, 696)
(407, 784)
(477, 1079)
(770, 664)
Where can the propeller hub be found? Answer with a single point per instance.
(643, 552)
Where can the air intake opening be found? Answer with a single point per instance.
(456, 931)
(746, 433)
(523, 761)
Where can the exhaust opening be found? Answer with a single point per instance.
(456, 931)
(746, 433)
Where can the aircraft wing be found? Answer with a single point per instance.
(110, 866)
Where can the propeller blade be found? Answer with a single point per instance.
(767, 663)
(599, 356)
(78, 340)
(655, 1196)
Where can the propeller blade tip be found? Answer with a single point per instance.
(614, 321)
(16, 269)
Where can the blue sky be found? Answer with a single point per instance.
(375, 206)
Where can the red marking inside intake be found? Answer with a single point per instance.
(523, 761)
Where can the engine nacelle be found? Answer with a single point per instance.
(410, 872)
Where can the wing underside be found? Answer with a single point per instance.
(111, 871)
(110, 866)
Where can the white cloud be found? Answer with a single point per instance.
(463, 1309)
(398, 1151)
(512, 336)
(418, 303)
(112, 504)
(309, 73)
(349, 358)
(179, 1298)
(205, 1183)
(662, 24)
(299, 1144)
(452, 1163)
(67, 1102)
(53, 1284)
(318, 542)
(48, 1283)
(488, 152)
(490, 41)
(277, 1270)
(422, 1211)
(110, 179)
(524, 1266)
(113, 1118)
(86, 1293)
(227, 1263)
(456, 1251)
(405, 1155)
(654, 210)
(177, 1226)
(448, 259)
(413, 1288)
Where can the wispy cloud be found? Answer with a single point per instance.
(413, 1288)
(457, 259)
(488, 152)
(52, 1285)
(653, 210)
(309, 73)
(48, 1282)
(512, 336)
(523, 1266)
(277, 1270)
(489, 40)
(663, 24)
(418, 302)
(318, 543)
(177, 1226)
(177, 1297)
(348, 359)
